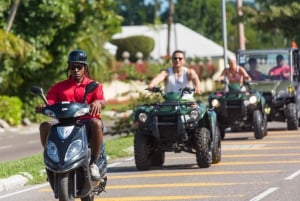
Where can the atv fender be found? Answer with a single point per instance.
(154, 128)
(212, 118)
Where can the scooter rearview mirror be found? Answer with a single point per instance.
(39, 92)
(36, 90)
(89, 88)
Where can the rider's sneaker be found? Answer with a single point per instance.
(95, 172)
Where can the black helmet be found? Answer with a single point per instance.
(78, 56)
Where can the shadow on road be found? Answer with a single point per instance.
(163, 168)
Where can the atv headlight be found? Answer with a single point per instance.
(51, 151)
(215, 103)
(194, 114)
(291, 89)
(253, 100)
(143, 117)
(73, 150)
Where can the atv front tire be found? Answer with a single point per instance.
(258, 124)
(141, 151)
(216, 151)
(291, 116)
(202, 146)
(157, 158)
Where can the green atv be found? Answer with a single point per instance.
(174, 125)
(241, 109)
(282, 101)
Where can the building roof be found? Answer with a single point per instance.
(182, 38)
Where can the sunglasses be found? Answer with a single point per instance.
(178, 58)
(78, 67)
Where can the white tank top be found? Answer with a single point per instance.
(176, 85)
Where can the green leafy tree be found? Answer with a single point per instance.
(278, 18)
(137, 12)
(54, 28)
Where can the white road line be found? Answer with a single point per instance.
(43, 185)
(292, 176)
(129, 159)
(22, 191)
(264, 194)
(5, 147)
(113, 164)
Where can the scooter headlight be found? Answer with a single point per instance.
(73, 150)
(52, 151)
(253, 100)
(50, 113)
(81, 112)
(194, 114)
(143, 117)
(215, 103)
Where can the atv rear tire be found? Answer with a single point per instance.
(291, 116)
(258, 124)
(216, 152)
(141, 151)
(202, 146)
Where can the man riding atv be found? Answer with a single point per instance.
(178, 123)
(238, 107)
(281, 86)
(235, 74)
(178, 76)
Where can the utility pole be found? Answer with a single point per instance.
(11, 18)
(170, 22)
(224, 31)
(240, 26)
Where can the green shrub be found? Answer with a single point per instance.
(134, 44)
(29, 105)
(11, 110)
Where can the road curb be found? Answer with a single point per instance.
(12, 182)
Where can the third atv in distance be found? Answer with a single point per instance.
(279, 81)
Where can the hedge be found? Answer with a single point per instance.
(11, 110)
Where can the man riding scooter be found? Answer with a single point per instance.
(72, 89)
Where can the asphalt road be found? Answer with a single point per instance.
(16, 143)
(250, 170)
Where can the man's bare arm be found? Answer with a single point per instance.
(196, 81)
(157, 79)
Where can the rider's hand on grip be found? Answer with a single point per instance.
(39, 109)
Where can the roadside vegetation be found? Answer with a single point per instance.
(28, 55)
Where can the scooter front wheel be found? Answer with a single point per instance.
(88, 198)
(65, 188)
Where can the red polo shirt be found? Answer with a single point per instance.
(69, 90)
